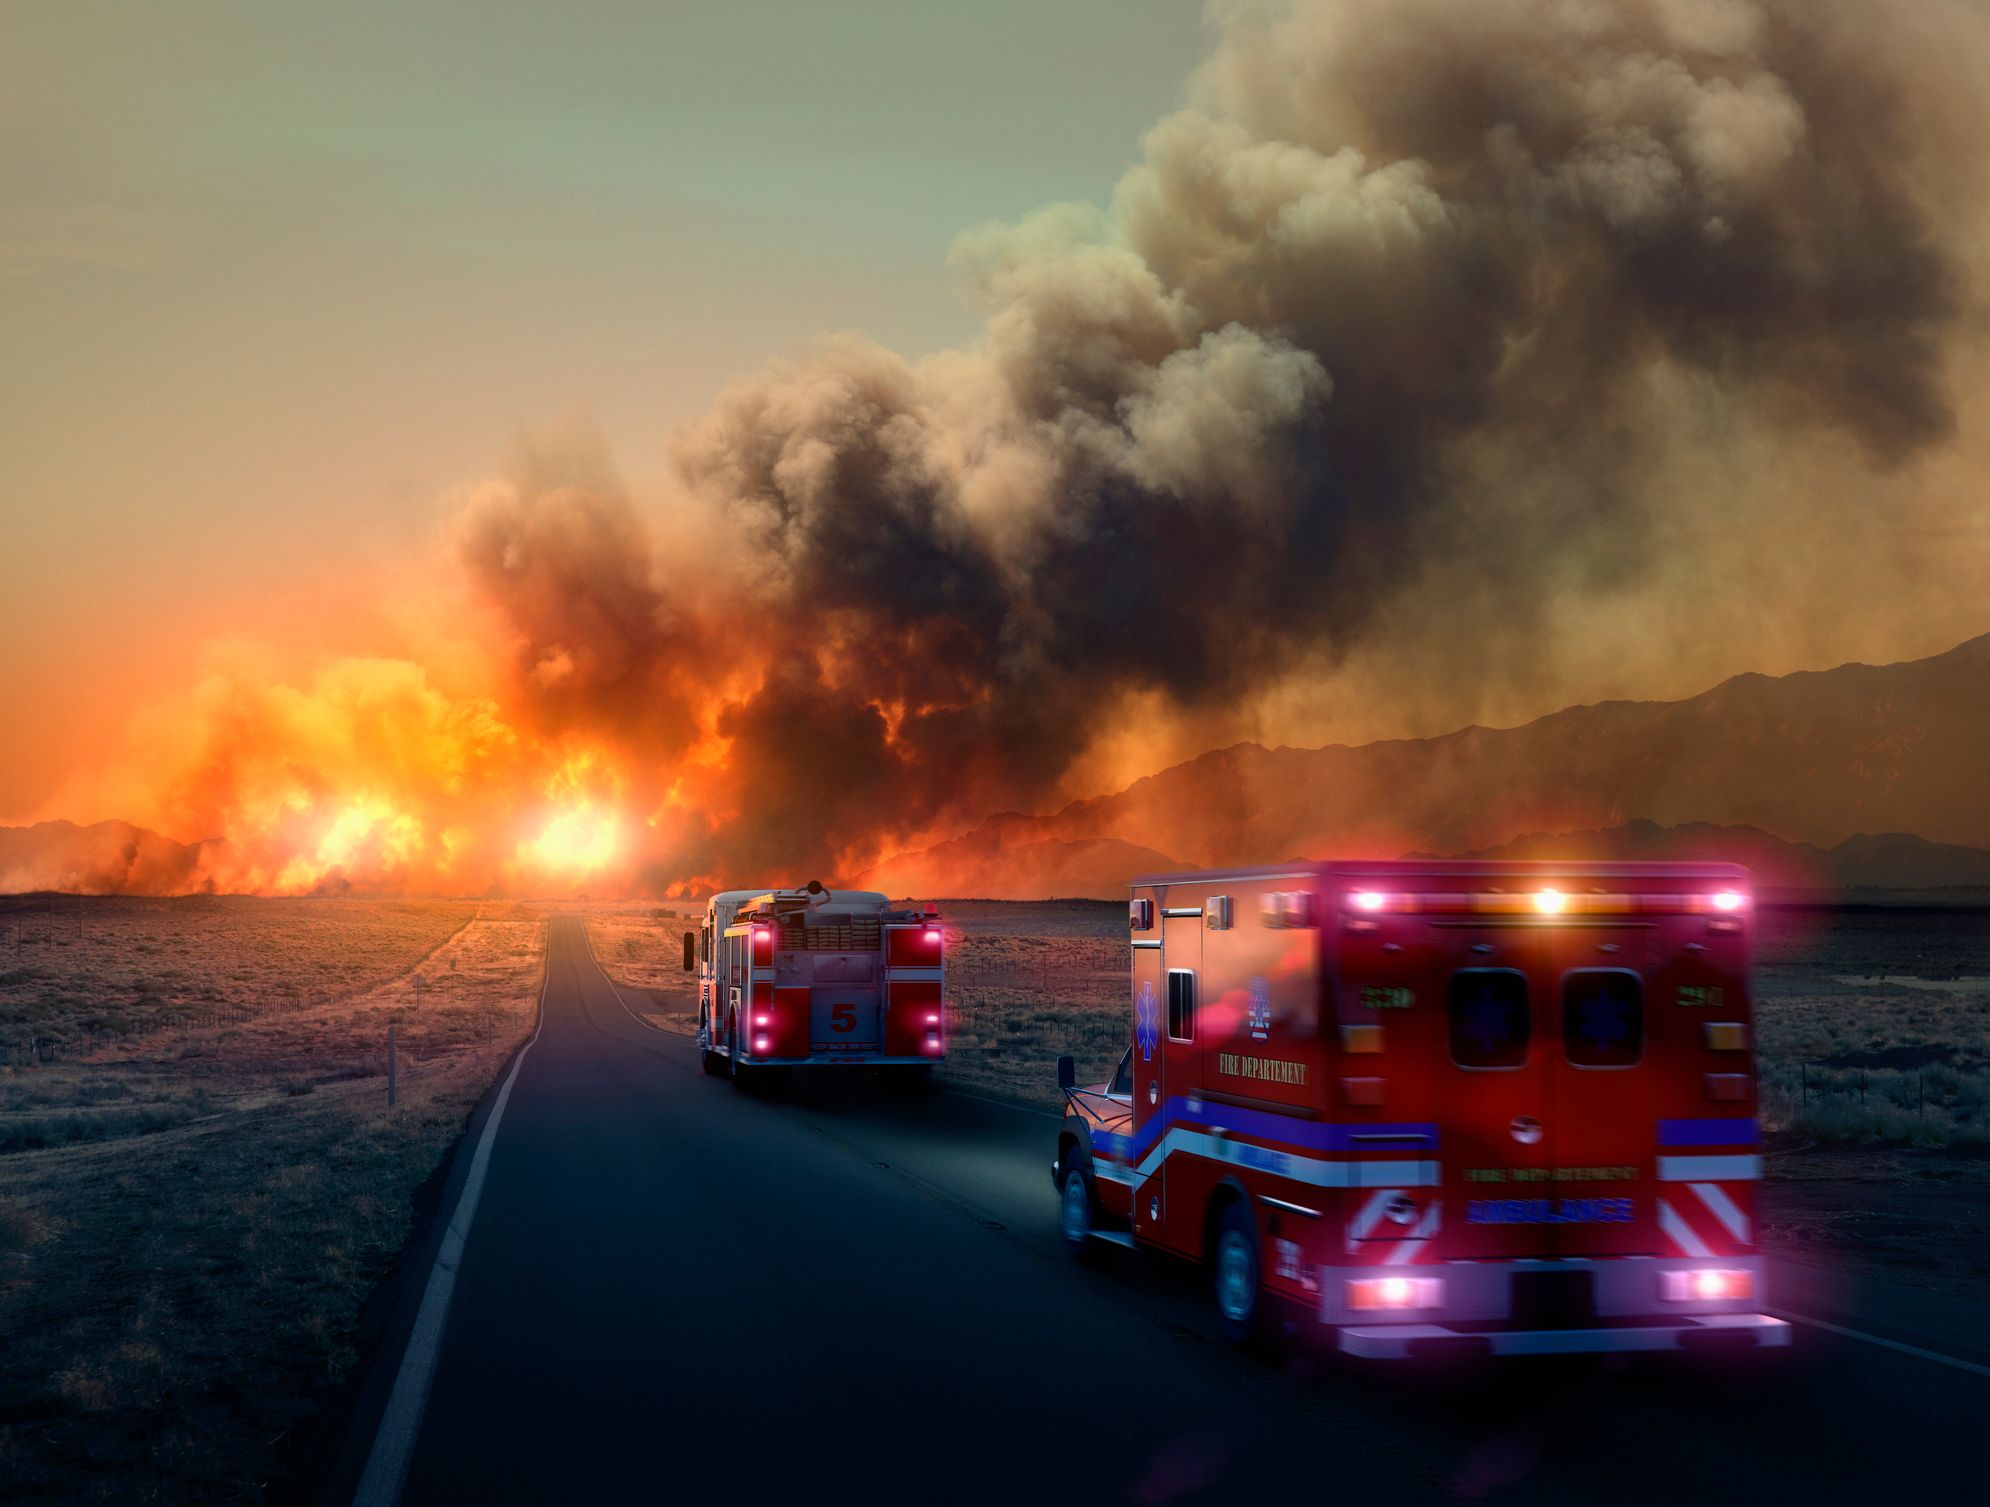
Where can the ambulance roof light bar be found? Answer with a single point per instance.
(1546, 901)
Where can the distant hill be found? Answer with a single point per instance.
(983, 866)
(1812, 760)
(104, 858)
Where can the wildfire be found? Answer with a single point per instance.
(574, 843)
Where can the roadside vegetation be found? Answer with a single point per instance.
(201, 1180)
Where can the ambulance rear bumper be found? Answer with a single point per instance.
(1714, 1331)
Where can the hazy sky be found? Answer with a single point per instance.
(274, 279)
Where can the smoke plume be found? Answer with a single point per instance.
(1427, 329)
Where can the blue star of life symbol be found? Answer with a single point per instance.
(1147, 1023)
(1605, 1020)
(1486, 1021)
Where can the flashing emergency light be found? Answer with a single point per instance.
(1368, 900)
(1367, 1294)
(1727, 900)
(1707, 1285)
(932, 934)
(760, 1043)
(1551, 902)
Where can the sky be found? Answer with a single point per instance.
(458, 449)
(277, 280)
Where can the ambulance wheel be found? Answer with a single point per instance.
(1078, 1210)
(1236, 1275)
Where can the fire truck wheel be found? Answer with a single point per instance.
(1235, 1270)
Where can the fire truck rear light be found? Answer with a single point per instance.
(1551, 902)
(1728, 900)
(760, 1043)
(1368, 900)
(1368, 1294)
(1726, 1088)
(763, 1020)
(932, 1020)
(933, 934)
(1707, 1285)
(1363, 1093)
(1725, 1035)
(1361, 1038)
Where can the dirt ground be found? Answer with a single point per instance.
(199, 1189)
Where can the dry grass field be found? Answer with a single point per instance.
(1874, 1032)
(200, 1178)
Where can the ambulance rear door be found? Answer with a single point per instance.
(1601, 1101)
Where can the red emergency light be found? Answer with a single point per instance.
(1546, 901)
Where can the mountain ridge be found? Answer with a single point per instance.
(1813, 758)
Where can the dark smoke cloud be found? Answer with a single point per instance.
(1418, 296)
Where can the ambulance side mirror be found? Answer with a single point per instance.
(690, 951)
(1067, 1073)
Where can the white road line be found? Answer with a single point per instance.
(1873, 1339)
(616, 989)
(400, 1424)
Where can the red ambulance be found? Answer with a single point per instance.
(1439, 1107)
(814, 975)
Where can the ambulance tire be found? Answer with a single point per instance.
(1236, 1268)
(1078, 1212)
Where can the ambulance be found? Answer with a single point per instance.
(1446, 1107)
(794, 977)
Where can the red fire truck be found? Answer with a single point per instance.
(810, 975)
(1493, 1108)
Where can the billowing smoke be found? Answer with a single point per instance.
(1426, 318)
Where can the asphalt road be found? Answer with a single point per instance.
(674, 1291)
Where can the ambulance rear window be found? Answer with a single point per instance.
(1602, 1017)
(1488, 1017)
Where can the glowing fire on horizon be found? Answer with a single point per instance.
(583, 840)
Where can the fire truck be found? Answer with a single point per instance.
(815, 975)
(1438, 1107)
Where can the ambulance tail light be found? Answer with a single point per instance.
(1383, 1294)
(1725, 1035)
(1706, 1285)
